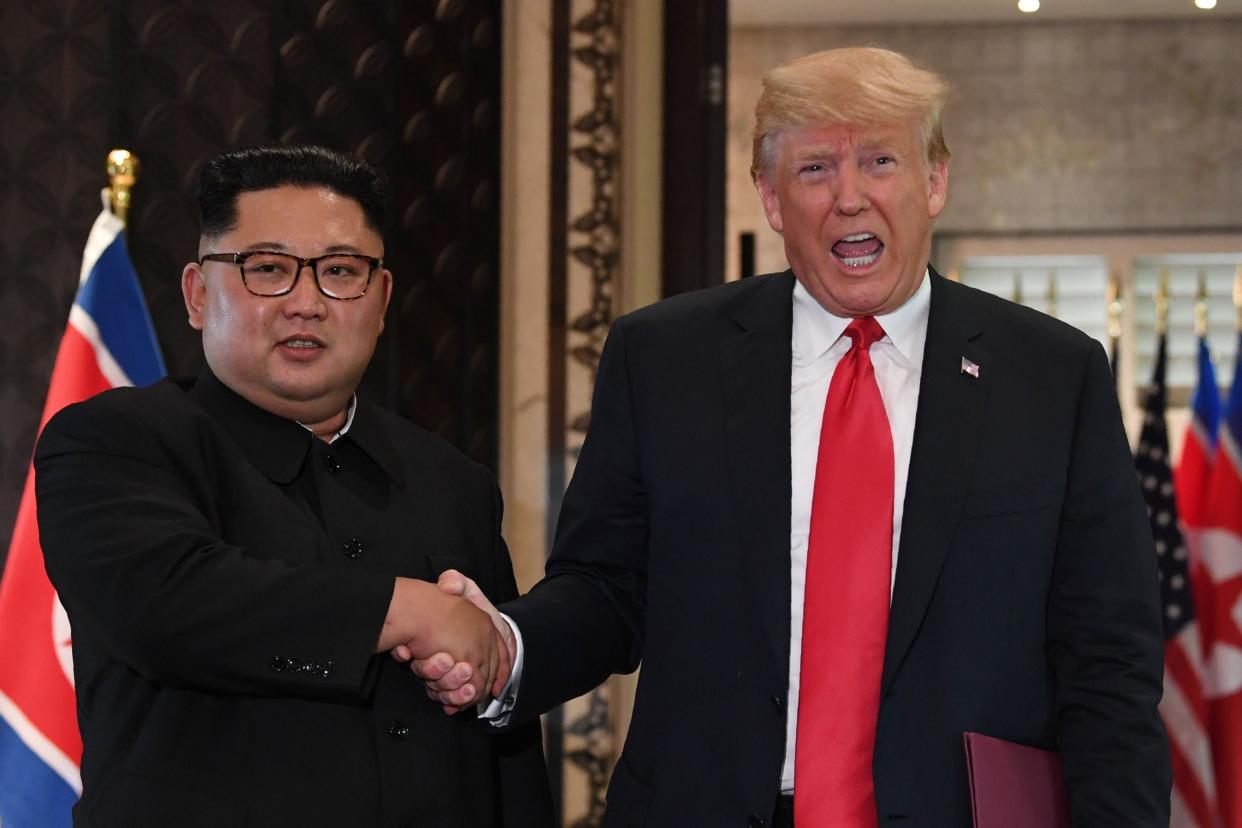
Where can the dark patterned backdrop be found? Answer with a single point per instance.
(410, 86)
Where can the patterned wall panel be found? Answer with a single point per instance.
(585, 245)
(411, 87)
(54, 93)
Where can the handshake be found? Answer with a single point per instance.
(453, 638)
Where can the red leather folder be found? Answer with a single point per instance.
(1014, 786)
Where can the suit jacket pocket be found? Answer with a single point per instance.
(629, 799)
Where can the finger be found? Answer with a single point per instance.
(457, 678)
(506, 666)
(506, 633)
(454, 699)
(434, 668)
(449, 709)
(401, 653)
(453, 582)
(454, 679)
(494, 667)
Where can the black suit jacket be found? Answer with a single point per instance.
(226, 575)
(1025, 604)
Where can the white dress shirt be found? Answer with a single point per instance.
(818, 345)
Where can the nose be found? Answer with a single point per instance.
(306, 300)
(851, 197)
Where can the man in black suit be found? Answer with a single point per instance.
(994, 503)
(237, 553)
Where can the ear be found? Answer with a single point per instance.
(194, 292)
(937, 188)
(771, 201)
(386, 275)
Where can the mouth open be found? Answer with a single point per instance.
(859, 250)
(301, 346)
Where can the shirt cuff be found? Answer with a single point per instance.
(496, 712)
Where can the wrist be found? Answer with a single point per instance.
(406, 622)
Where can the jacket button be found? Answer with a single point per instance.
(398, 730)
(330, 463)
(352, 549)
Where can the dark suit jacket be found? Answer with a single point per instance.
(227, 575)
(1025, 604)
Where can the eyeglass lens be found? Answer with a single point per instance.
(342, 276)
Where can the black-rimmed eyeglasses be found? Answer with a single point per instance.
(337, 275)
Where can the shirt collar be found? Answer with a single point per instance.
(277, 447)
(815, 330)
(349, 420)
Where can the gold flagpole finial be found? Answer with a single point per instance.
(1115, 307)
(1162, 302)
(1201, 305)
(122, 174)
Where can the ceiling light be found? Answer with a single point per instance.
(1206, 4)
(1029, 6)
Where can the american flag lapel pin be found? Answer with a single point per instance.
(970, 368)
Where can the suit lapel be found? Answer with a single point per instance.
(756, 360)
(950, 412)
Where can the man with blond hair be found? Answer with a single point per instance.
(846, 513)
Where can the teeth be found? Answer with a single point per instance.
(860, 261)
(301, 343)
(859, 237)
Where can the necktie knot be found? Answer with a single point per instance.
(864, 331)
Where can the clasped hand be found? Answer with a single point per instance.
(461, 662)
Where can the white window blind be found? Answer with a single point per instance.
(1071, 288)
(1217, 272)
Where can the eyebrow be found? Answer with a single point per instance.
(277, 247)
(891, 144)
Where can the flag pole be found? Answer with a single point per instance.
(1201, 306)
(1237, 294)
(122, 175)
(1162, 303)
(1115, 307)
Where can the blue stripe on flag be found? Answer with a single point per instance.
(1206, 402)
(33, 795)
(112, 297)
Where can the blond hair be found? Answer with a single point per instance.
(861, 87)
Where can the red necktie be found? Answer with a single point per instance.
(845, 614)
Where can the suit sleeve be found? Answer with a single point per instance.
(525, 794)
(142, 573)
(584, 620)
(1105, 636)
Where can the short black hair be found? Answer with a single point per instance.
(246, 170)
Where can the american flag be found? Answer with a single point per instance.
(1184, 708)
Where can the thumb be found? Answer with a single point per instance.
(452, 582)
